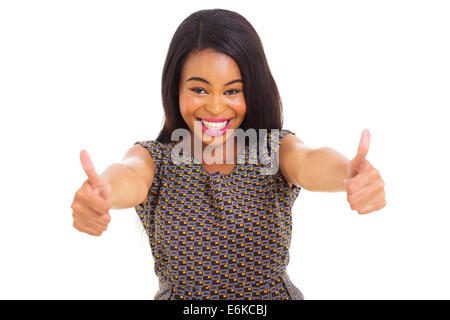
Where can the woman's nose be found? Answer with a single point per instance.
(216, 106)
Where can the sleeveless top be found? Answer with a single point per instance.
(215, 235)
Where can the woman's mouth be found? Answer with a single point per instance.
(215, 126)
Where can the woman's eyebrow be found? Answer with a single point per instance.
(207, 82)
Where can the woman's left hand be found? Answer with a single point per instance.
(364, 185)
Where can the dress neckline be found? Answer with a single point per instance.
(240, 161)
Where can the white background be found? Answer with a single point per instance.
(86, 75)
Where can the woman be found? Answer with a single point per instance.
(219, 217)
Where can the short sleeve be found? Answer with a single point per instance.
(295, 189)
(155, 149)
(145, 210)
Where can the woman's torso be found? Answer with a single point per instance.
(218, 231)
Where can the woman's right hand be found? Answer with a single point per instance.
(92, 201)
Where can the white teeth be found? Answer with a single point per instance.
(214, 125)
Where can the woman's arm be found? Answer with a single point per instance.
(321, 169)
(130, 179)
(325, 169)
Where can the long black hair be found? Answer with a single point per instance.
(229, 33)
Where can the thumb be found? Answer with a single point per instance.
(98, 183)
(357, 163)
(88, 168)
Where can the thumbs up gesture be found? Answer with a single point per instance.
(364, 186)
(92, 201)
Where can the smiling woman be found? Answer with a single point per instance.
(221, 231)
(226, 226)
(216, 104)
(224, 41)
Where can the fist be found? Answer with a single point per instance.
(91, 204)
(364, 185)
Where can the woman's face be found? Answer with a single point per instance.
(211, 96)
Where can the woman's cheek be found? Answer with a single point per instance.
(239, 106)
(188, 105)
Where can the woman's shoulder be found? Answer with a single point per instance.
(156, 147)
(276, 136)
(277, 133)
(284, 132)
(159, 152)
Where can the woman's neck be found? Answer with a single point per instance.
(212, 154)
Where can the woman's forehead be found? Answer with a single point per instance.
(210, 63)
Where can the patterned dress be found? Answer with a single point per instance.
(215, 235)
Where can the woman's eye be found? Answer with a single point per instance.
(198, 90)
(232, 91)
(202, 91)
